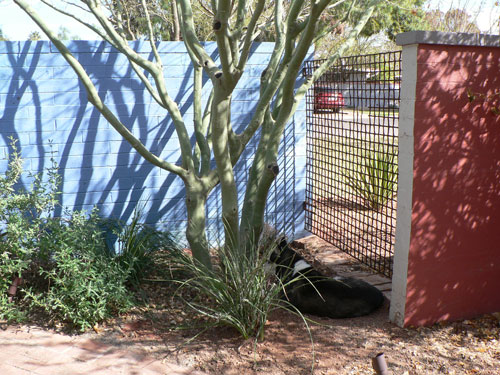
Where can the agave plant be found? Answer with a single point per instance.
(375, 179)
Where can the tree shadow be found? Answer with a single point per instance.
(46, 108)
(453, 263)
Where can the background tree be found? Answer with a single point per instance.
(64, 34)
(388, 20)
(130, 20)
(2, 37)
(34, 35)
(235, 25)
(453, 20)
(393, 18)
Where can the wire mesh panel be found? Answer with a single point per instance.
(280, 207)
(352, 150)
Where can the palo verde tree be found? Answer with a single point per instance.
(236, 24)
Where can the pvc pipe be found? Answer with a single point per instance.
(380, 365)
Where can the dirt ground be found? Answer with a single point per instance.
(343, 346)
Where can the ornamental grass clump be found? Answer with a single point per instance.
(375, 179)
(239, 292)
(134, 245)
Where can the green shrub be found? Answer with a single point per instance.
(9, 311)
(83, 284)
(23, 216)
(63, 262)
(375, 179)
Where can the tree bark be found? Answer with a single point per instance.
(175, 22)
(196, 198)
(221, 113)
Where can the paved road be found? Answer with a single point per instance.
(355, 124)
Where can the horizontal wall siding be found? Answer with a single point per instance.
(45, 107)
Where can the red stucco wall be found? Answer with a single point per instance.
(454, 258)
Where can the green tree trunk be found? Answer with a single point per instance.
(221, 111)
(235, 25)
(196, 235)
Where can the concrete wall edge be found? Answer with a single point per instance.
(444, 38)
(405, 186)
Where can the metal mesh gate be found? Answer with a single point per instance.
(351, 173)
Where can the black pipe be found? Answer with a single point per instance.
(380, 365)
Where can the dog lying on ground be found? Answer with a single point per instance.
(313, 293)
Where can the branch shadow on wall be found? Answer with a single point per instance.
(113, 178)
(17, 85)
(47, 109)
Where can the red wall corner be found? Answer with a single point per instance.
(454, 255)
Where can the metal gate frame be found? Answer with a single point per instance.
(352, 150)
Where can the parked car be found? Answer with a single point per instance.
(326, 98)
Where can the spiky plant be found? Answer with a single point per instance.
(375, 179)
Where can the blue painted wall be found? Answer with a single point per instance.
(43, 105)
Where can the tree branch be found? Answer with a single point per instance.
(255, 204)
(331, 28)
(271, 79)
(175, 21)
(78, 19)
(221, 30)
(105, 37)
(94, 98)
(117, 18)
(192, 42)
(156, 71)
(247, 44)
(202, 150)
(151, 35)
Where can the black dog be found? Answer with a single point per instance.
(313, 293)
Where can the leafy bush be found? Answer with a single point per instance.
(9, 311)
(375, 179)
(63, 262)
(83, 284)
(23, 215)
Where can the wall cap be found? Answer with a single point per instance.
(454, 39)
